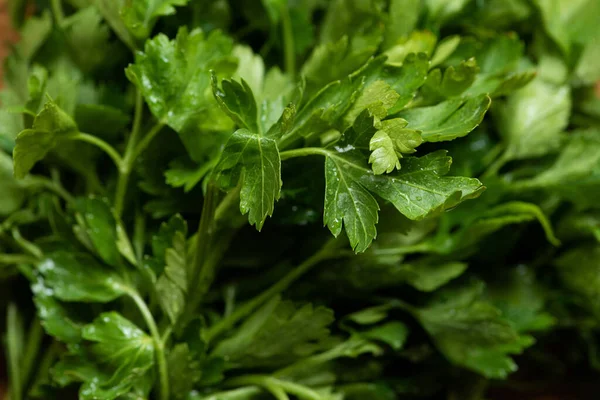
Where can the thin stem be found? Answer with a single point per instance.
(303, 152)
(277, 387)
(57, 10)
(289, 47)
(26, 245)
(126, 164)
(10, 259)
(34, 341)
(132, 151)
(495, 167)
(107, 148)
(155, 130)
(52, 186)
(250, 306)
(138, 113)
(161, 361)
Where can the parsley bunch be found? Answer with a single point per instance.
(245, 200)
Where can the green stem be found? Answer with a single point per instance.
(303, 152)
(230, 199)
(289, 47)
(495, 167)
(34, 341)
(276, 386)
(201, 276)
(107, 148)
(49, 185)
(250, 306)
(14, 347)
(10, 259)
(57, 10)
(131, 153)
(26, 245)
(155, 130)
(161, 361)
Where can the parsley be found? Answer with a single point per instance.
(313, 200)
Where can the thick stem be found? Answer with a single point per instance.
(161, 362)
(107, 148)
(57, 10)
(200, 275)
(14, 347)
(289, 47)
(250, 306)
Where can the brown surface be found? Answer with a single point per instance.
(7, 34)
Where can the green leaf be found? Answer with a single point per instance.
(472, 333)
(141, 15)
(360, 20)
(569, 22)
(575, 174)
(532, 119)
(184, 371)
(13, 192)
(418, 190)
(393, 333)
(417, 42)
(441, 11)
(403, 18)
(172, 285)
(87, 37)
(276, 334)
(331, 61)
(32, 145)
(521, 298)
(98, 224)
(111, 12)
(448, 120)
(237, 100)
(255, 160)
(389, 143)
(174, 78)
(33, 34)
(56, 318)
(453, 81)
(120, 344)
(578, 271)
(429, 276)
(79, 277)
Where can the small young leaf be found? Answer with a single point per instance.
(389, 143)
